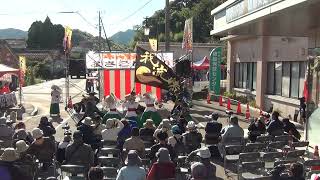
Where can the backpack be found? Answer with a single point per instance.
(179, 146)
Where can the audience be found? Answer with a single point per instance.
(162, 137)
(133, 169)
(164, 168)
(213, 129)
(290, 128)
(61, 151)
(164, 126)
(113, 127)
(21, 133)
(275, 127)
(256, 128)
(87, 130)
(124, 134)
(6, 132)
(95, 173)
(135, 143)
(148, 129)
(176, 141)
(192, 138)
(47, 127)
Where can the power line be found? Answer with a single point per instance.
(83, 18)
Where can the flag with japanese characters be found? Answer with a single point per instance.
(151, 71)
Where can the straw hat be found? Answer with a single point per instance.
(204, 153)
(149, 124)
(191, 125)
(87, 121)
(37, 133)
(9, 155)
(21, 146)
(133, 159)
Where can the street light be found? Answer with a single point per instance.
(146, 31)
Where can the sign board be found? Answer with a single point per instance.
(215, 70)
(119, 60)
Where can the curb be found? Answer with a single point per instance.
(35, 111)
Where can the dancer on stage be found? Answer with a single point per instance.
(150, 112)
(55, 100)
(111, 103)
(131, 106)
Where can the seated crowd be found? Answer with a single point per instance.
(150, 152)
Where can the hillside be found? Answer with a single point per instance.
(123, 37)
(12, 33)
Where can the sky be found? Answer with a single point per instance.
(115, 14)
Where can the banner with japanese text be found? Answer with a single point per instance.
(215, 70)
(150, 70)
(23, 68)
(188, 35)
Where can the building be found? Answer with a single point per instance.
(269, 42)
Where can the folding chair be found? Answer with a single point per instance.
(109, 161)
(254, 147)
(110, 172)
(270, 157)
(110, 151)
(109, 144)
(295, 155)
(247, 157)
(282, 138)
(274, 146)
(283, 162)
(308, 164)
(300, 144)
(231, 154)
(264, 139)
(253, 170)
(73, 170)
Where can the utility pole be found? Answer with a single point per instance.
(167, 28)
(100, 56)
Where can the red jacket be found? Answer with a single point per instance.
(163, 170)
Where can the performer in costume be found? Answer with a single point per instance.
(131, 106)
(55, 100)
(150, 112)
(111, 102)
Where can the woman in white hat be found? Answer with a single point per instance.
(150, 111)
(55, 100)
(192, 138)
(131, 106)
(111, 104)
(21, 148)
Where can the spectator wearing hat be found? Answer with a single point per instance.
(47, 127)
(150, 112)
(21, 149)
(275, 127)
(205, 155)
(61, 151)
(164, 168)
(79, 153)
(176, 141)
(165, 126)
(213, 129)
(42, 148)
(135, 143)
(113, 127)
(256, 128)
(290, 128)
(162, 137)
(111, 104)
(192, 138)
(6, 131)
(87, 130)
(95, 173)
(133, 169)
(146, 133)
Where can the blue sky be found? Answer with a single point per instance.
(21, 13)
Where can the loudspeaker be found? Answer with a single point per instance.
(183, 68)
(77, 69)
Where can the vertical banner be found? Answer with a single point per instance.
(215, 70)
(188, 35)
(153, 44)
(23, 68)
(67, 39)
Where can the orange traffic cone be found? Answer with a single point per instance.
(220, 101)
(316, 156)
(261, 112)
(228, 104)
(247, 112)
(70, 105)
(208, 98)
(239, 108)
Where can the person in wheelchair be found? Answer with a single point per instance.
(213, 129)
(43, 148)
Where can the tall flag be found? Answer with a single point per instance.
(67, 39)
(153, 44)
(215, 70)
(23, 68)
(188, 35)
(153, 72)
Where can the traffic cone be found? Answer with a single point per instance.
(261, 112)
(239, 108)
(247, 112)
(70, 105)
(315, 156)
(220, 101)
(228, 104)
(208, 98)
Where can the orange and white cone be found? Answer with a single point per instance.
(239, 108)
(70, 105)
(228, 104)
(208, 98)
(316, 156)
(220, 101)
(247, 112)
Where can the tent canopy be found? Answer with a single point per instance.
(202, 64)
(8, 70)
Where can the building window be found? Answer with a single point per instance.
(245, 75)
(286, 78)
